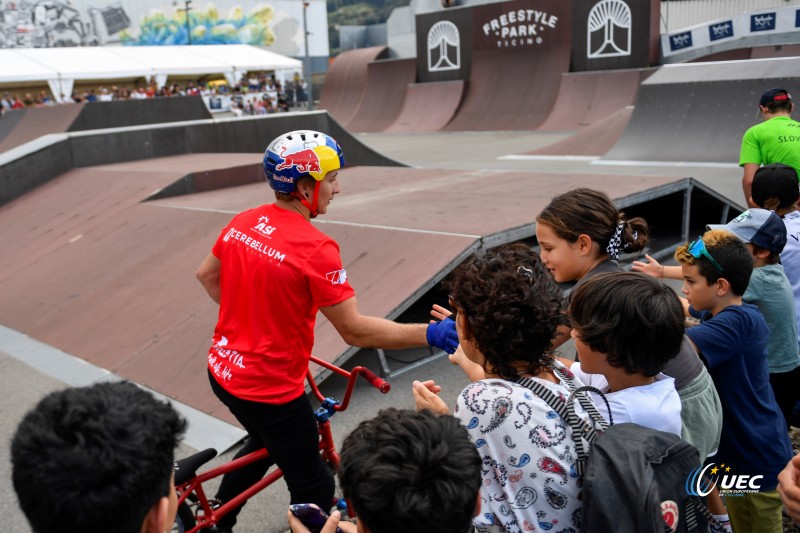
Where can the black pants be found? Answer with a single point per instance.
(289, 432)
(786, 390)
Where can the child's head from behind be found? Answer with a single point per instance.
(775, 187)
(508, 308)
(405, 467)
(717, 259)
(631, 319)
(582, 226)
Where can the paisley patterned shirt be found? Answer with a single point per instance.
(529, 476)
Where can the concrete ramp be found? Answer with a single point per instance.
(346, 82)
(429, 106)
(30, 165)
(595, 140)
(512, 89)
(124, 113)
(585, 98)
(31, 123)
(20, 126)
(385, 92)
(698, 112)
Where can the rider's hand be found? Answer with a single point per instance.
(330, 525)
(426, 397)
(443, 335)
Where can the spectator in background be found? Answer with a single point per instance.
(770, 141)
(5, 103)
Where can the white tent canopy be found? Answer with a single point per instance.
(61, 67)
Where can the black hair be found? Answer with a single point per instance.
(775, 186)
(512, 308)
(636, 321)
(406, 470)
(727, 250)
(94, 459)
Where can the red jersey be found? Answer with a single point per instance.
(276, 271)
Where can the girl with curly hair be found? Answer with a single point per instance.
(506, 309)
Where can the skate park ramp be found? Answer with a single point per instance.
(123, 113)
(585, 98)
(97, 270)
(593, 141)
(513, 89)
(346, 82)
(26, 167)
(20, 126)
(698, 112)
(384, 94)
(429, 106)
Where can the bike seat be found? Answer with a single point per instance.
(187, 467)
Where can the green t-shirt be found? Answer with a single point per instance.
(776, 140)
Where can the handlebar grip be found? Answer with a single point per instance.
(375, 381)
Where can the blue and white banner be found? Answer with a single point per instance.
(767, 21)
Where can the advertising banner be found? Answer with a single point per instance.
(448, 39)
(756, 23)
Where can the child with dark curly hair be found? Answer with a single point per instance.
(507, 308)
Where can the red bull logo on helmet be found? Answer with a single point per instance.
(316, 161)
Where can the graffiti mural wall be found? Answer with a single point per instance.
(276, 24)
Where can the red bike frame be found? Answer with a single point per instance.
(206, 515)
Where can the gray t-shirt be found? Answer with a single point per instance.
(769, 289)
(603, 268)
(685, 366)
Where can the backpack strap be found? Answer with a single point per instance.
(583, 434)
(699, 509)
(566, 377)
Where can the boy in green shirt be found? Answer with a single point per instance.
(776, 140)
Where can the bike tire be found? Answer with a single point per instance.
(184, 520)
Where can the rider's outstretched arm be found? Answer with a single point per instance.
(373, 332)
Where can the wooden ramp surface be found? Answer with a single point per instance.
(586, 98)
(595, 140)
(93, 270)
(385, 91)
(346, 81)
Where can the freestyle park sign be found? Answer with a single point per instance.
(520, 26)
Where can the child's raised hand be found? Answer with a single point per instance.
(440, 313)
(652, 268)
(426, 397)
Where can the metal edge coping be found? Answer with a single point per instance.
(203, 431)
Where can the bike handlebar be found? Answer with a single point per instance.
(351, 376)
(374, 380)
